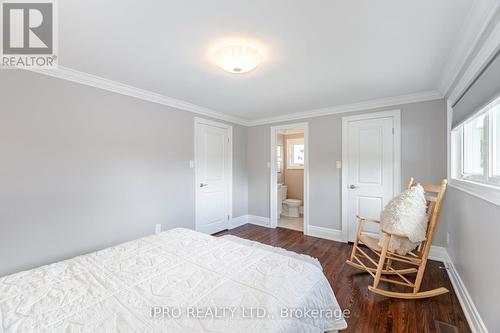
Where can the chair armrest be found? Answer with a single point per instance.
(393, 234)
(367, 220)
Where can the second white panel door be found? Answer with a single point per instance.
(370, 170)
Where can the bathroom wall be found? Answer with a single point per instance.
(294, 178)
(280, 142)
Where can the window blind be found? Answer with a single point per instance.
(482, 91)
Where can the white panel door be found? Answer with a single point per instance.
(212, 176)
(370, 170)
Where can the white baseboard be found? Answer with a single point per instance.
(325, 233)
(252, 219)
(238, 221)
(259, 220)
(438, 253)
(471, 313)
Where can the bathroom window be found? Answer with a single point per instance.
(279, 158)
(295, 153)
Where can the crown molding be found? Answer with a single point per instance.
(72, 75)
(361, 106)
(487, 51)
(69, 74)
(474, 27)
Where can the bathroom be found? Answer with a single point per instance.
(290, 178)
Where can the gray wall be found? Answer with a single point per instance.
(473, 225)
(423, 156)
(474, 229)
(240, 173)
(82, 169)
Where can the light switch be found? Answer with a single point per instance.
(339, 165)
(191, 164)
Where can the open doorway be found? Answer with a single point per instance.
(289, 179)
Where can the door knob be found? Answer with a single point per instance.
(203, 184)
(352, 187)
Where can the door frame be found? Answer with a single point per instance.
(229, 163)
(396, 115)
(273, 190)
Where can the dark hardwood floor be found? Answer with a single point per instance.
(369, 312)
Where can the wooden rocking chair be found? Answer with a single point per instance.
(382, 265)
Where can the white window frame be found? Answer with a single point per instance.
(485, 186)
(290, 153)
(460, 131)
(495, 179)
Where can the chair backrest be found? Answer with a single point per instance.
(434, 194)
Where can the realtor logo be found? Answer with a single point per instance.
(28, 34)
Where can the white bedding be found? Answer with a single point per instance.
(201, 280)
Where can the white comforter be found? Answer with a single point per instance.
(199, 282)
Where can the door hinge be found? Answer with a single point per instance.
(393, 131)
(228, 218)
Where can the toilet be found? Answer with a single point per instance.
(290, 207)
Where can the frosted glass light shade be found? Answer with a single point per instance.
(237, 59)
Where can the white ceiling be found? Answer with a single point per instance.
(319, 53)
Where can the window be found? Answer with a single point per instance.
(474, 144)
(476, 147)
(295, 153)
(495, 141)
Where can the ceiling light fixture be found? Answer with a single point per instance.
(237, 59)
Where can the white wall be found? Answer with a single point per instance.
(423, 156)
(82, 169)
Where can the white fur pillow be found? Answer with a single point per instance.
(406, 215)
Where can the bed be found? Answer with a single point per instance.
(177, 281)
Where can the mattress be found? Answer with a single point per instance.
(177, 281)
